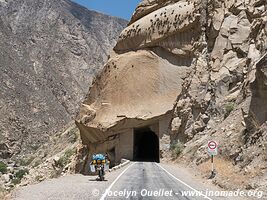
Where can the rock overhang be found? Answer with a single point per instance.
(158, 25)
(144, 75)
(134, 87)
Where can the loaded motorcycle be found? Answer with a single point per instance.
(99, 164)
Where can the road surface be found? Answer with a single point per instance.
(146, 180)
(138, 180)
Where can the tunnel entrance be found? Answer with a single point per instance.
(146, 145)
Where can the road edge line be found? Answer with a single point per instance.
(206, 197)
(108, 189)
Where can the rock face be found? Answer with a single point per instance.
(142, 79)
(171, 27)
(49, 53)
(224, 98)
(208, 58)
(257, 113)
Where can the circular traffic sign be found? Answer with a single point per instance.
(212, 145)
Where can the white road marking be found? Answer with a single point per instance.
(206, 197)
(108, 189)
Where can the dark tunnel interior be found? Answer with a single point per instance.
(146, 145)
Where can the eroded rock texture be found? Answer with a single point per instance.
(208, 58)
(229, 105)
(49, 53)
(144, 76)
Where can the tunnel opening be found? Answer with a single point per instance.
(146, 145)
(111, 156)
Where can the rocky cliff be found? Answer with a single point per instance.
(223, 98)
(49, 53)
(208, 59)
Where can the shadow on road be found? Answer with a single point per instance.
(96, 179)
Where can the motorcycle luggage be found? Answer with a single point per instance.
(92, 168)
(99, 157)
(106, 167)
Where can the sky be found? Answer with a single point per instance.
(119, 8)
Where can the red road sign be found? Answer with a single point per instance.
(212, 145)
(213, 148)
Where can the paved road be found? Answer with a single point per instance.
(147, 180)
(140, 180)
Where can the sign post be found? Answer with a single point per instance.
(213, 151)
(212, 164)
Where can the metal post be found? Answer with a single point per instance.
(213, 174)
(212, 164)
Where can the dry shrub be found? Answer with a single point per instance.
(3, 194)
(224, 169)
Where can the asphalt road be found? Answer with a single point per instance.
(146, 180)
(139, 180)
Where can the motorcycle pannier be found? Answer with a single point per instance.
(92, 168)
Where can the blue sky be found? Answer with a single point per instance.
(119, 8)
